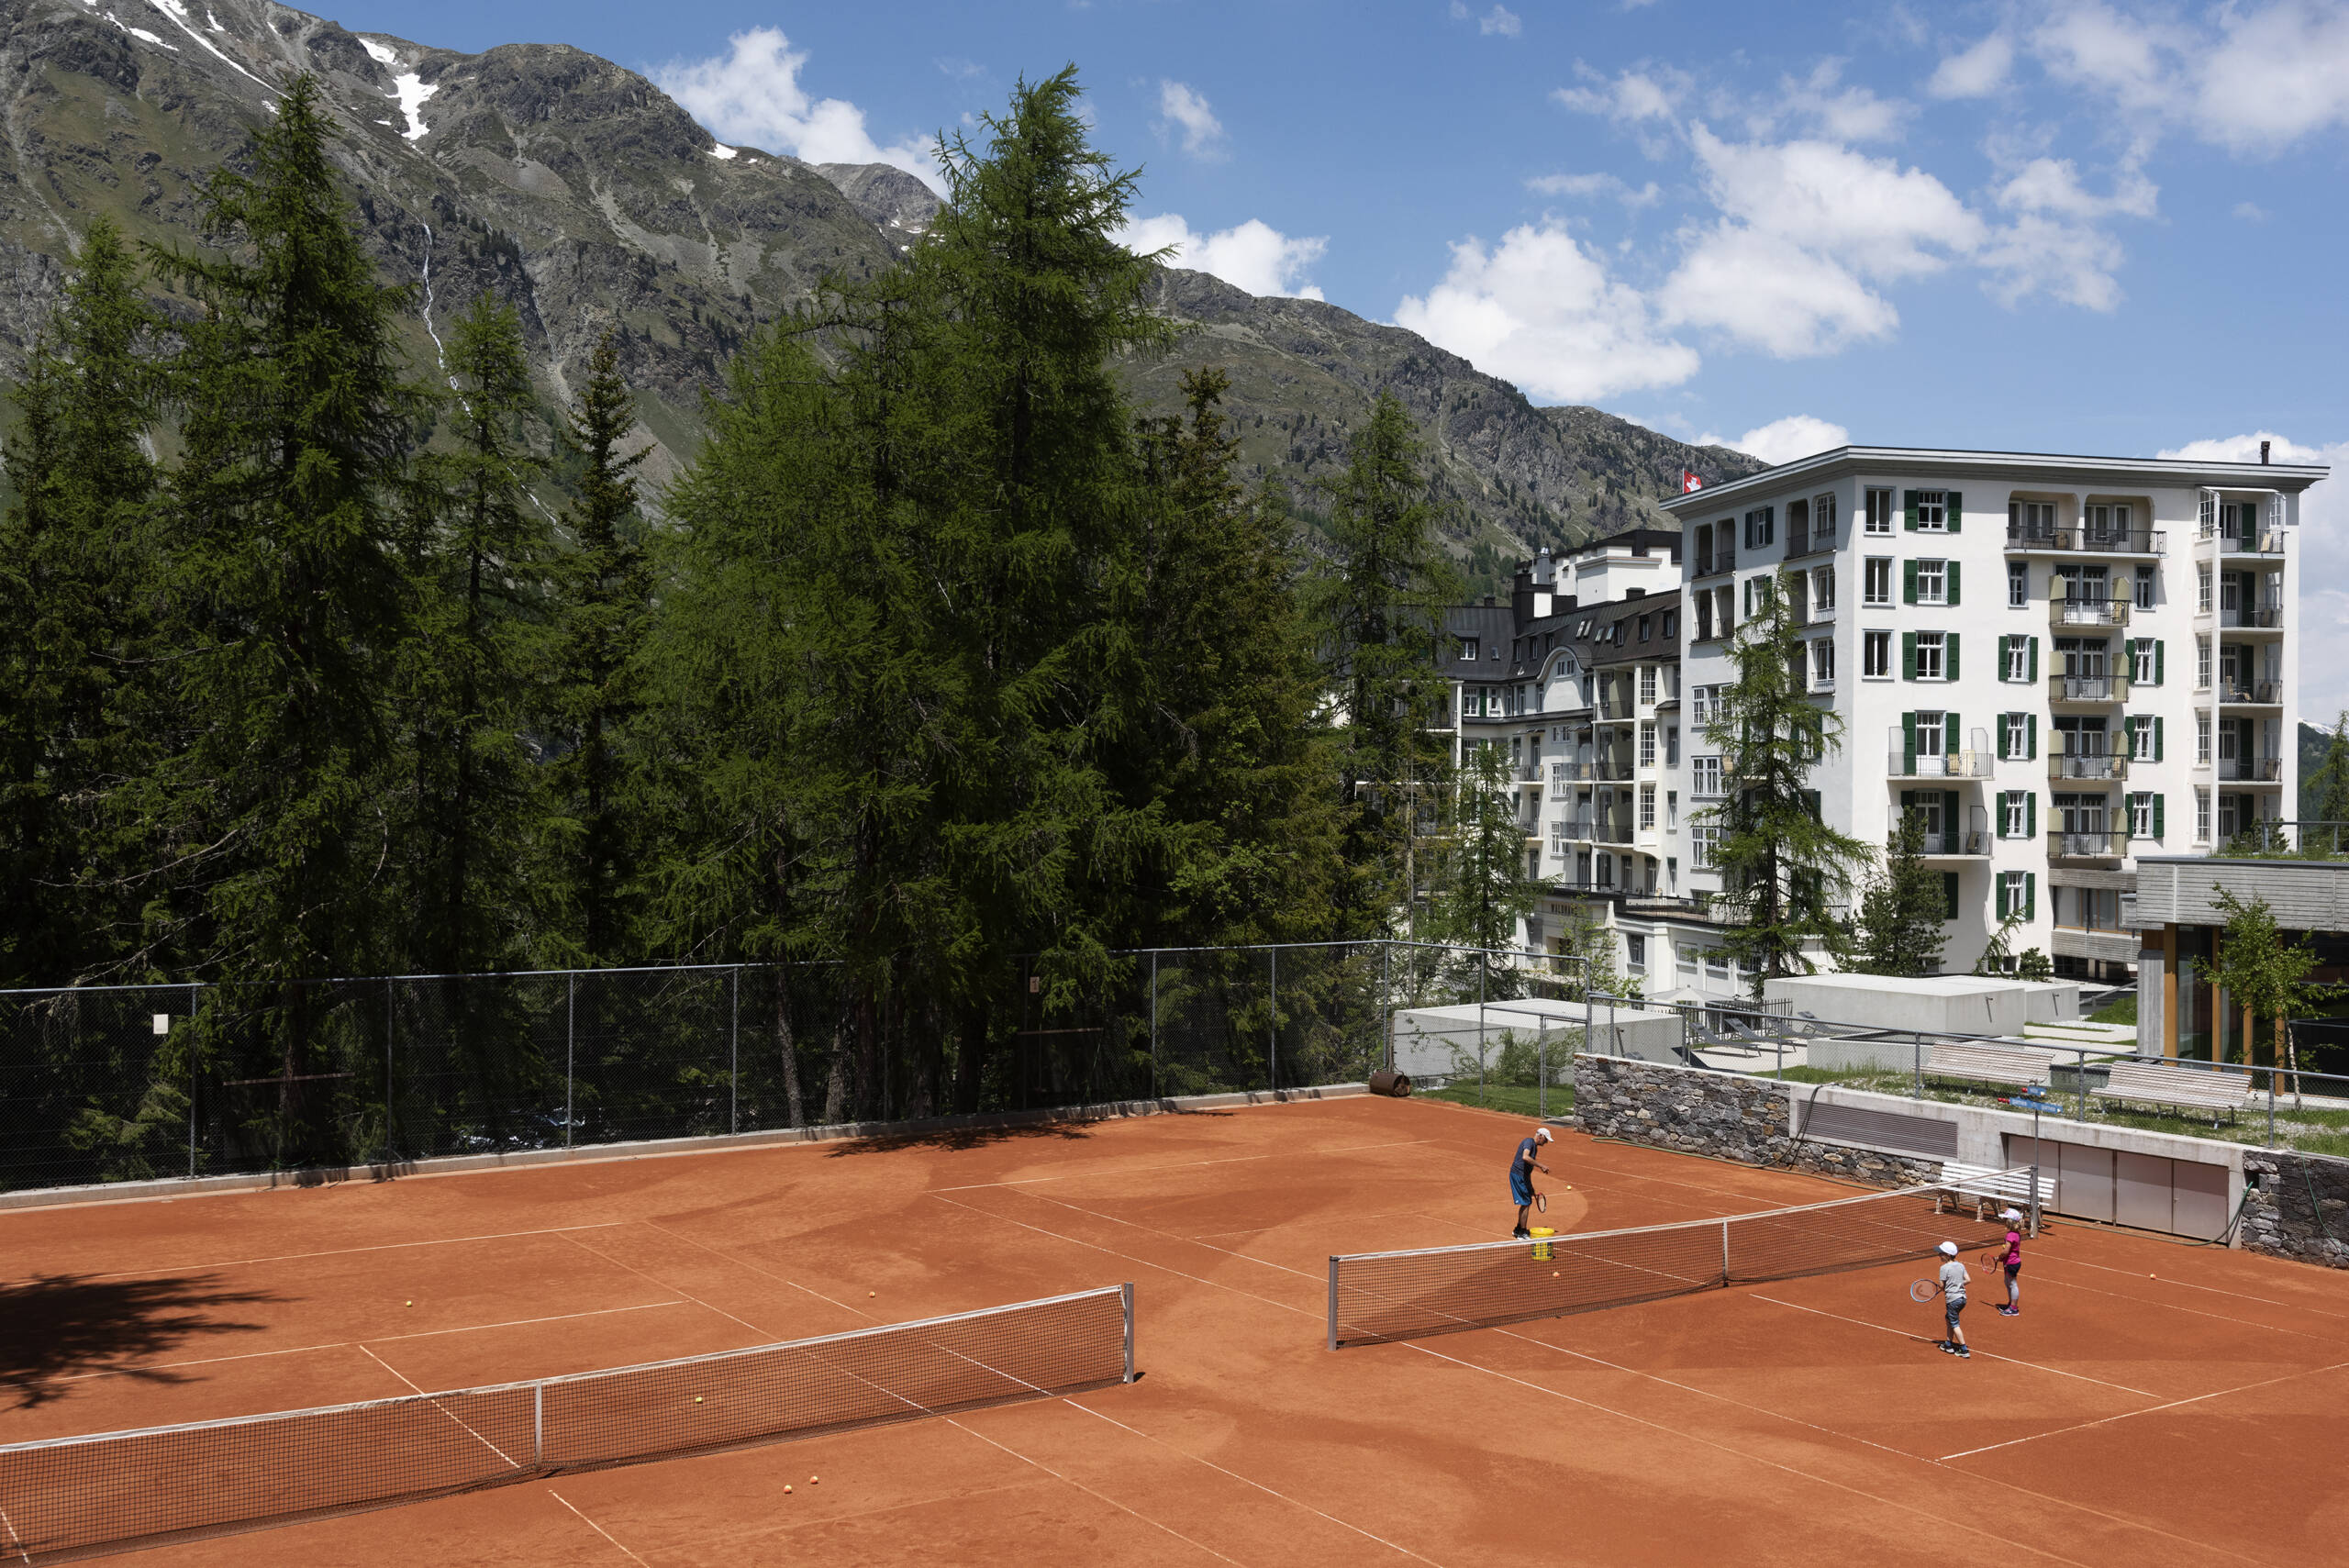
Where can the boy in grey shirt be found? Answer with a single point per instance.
(1954, 1280)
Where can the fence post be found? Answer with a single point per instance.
(191, 1086)
(734, 1058)
(1154, 1090)
(1483, 967)
(2034, 1172)
(2271, 1107)
(1386, 1008)
(1272, 1028)
(1917, 1043)
(570, 1037)
(391, 1027)
(1542, 1071)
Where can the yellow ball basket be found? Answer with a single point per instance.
(1541, 1234)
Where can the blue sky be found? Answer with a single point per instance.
(2106, 226)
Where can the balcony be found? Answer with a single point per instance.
(2252, 694)
(1805, 541)
(2106, 765)
(1947, 846)
(2259, 617)
(1717, 561)
(2087, 846)
(1615, 705)
(1976, 764)
(2088, 688)
(2267, 541)
(2251, 770)
(2066, 610)
(1610, 832)
(2088, 541)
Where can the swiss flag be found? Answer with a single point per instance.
(1689, 482)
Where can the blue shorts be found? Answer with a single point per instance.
(1951, 1307)
(1521, 1187)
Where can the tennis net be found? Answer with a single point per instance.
(70, 1497)
(1398, 1295)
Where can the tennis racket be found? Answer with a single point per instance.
(1923, 1290)
(1541, 1203)
(1996, 1258)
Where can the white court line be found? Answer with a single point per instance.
(1185, 1164)
(1089, 1492)
(2190, 1285)
(2043, 1283)
(2149, 1410)
(1248, 1480)
(340, 1252)
(511, 1463)
(765, 1337)
(346, 1344)
(22, 1550)
(770, 1274)
(591, 1524)
(1987, 1355)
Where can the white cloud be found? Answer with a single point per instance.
(2094, 45)
(2052, 246)
(2251, 212)
(1633, 98)
(1499, 19)
(1202, 132)
(1595, 185)
(1783, 441)
(1856, 114)
(2279, 74)
(1252, 256)
(1540, 310)
(1975, 72)
(2321, 688)
(1772, 294)
(752, 95)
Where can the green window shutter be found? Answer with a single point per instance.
(2031, 814)
(1998, 804)
(2030, 895)
(1949, 812)
(1811, 803)
(2157, 661)
(1949, 734)
(1908, 655)
(1908, 505)
(1955, 511)
(1949, 895)
(1908, 801)
(2030, 735)
(2000, 883)
(2127, 656)
(2158, 814)
(1949, 657)
(1907, 743)
(1908, 581)
(1952, 581)
(2035, 661)
(2158, 740)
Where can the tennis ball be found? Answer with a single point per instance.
(870, 1294)
(786, 1488)
(813, 1479)
(407, 1304)
(696, 1398)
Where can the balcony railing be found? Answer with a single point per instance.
(1901, 764)
(2087, 610)
(1809, 542)
(2256, 694)
(1719, 560)
(2088, 766)
(2087, 846)
(2258, 618)
(2269, 541)
(1610, 832)
(2083, 541)
(2088, 688)
(2251, 770)
(1615, 705)
(1976, 842)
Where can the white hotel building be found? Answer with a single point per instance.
(2061, 662)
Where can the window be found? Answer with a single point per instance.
(2015, 735)
(2018, 660)
(2145, 816)
(1618, 632)
(2014, 814)
(1704, 631)
(2105, 522)
(1931, 509)
(1932, 582)
(2145, 740)
(2201, 816)
(1822, 522)
(1757, 596)
(2201, 663)
(1823, 661)
(2017, 584)
(1822, 589)
(2202, 590)
(1647, 686)
(1647, 808)
(1761, 527)
(1645, 627)
(1928, 655)
(1647, 744)
(1705, 778)
(1672, 745)
(2015, 890)
(1670, 625)
(2202, 739)
(1635, 953)
(2030, 520)
(1879, 512)
(2146, 580)
(1717, 966)
(1723, 598)
(1671, 820)
(2144, 661)
(1875, 656)
(1875, 580)
(1701, 847)
(1931, 729)
(1468, 649)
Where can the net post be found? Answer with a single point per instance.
(1126, 1304)
(1724, 1251)
(1333, 1301)
(538, 1425)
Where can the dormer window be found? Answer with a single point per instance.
(1468, 649)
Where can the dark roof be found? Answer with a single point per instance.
(1639, 541)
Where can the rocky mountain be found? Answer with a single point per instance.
(582, 193)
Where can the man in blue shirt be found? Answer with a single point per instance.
(1520, 1175)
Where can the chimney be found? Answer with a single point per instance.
(1545, 578)
(1521, 596)
(2263, 454)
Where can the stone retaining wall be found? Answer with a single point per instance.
(2297, 1206)
(1729, 1118)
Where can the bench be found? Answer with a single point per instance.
(2180, 1088)
(1984, 1183)
(2013, 1066)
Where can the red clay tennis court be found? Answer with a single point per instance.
(2155, 1404)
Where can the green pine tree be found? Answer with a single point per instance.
(1902, 915)
(1381, 600)
(595, 833)
(2330, 788)
(1783, 871)
(1483, 891)
(84, 719)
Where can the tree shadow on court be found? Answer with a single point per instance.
(1074, 1131)
(55, 1328)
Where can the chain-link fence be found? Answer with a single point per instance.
(137, 1082)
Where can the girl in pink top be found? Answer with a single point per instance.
(2011, 1264)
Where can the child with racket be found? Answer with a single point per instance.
(1521, 1176)
(1954, 1280)
(2010, 1260)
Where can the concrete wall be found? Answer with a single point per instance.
(1432, 1042)
(2298, 1207)
(1945, 1003)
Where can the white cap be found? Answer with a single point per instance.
(2011, 1214)
(1949, 1248)
(1543, 1133)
